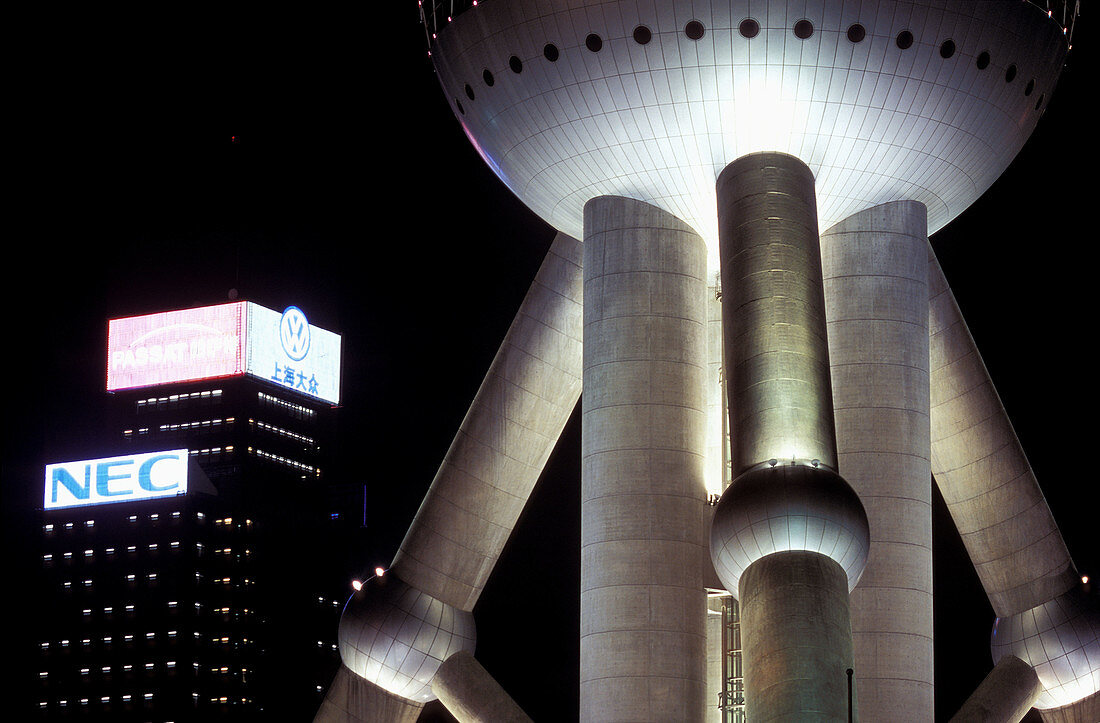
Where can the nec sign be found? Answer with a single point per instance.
(116, 479)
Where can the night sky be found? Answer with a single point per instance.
(351, 192)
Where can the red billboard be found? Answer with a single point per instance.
(176, 346)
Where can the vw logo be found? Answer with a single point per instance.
(294, 333)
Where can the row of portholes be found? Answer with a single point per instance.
(748, 29)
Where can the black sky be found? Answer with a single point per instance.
(353, 194)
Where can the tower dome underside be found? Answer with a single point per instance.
(926, 100)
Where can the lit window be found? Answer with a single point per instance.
(67, 584)
(87, 583)
(130, 608)
(68, 525)
(47, 557)
(130, 577)
(43, 674)
(154, 517)
(85, 671)
(131, 548)
(110, 550)
(68, 555)
(87, 611)
(48, 528)
(89, 523)
(148, 666)
(133, 518)
(88, 553)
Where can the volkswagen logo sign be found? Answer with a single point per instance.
(294, 333)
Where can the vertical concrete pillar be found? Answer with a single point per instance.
(643, 606)
(876, 299)
(789, 535)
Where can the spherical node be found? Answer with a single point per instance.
(397, 636)
(1060, 640)
(788, 507)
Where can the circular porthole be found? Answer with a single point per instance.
(515, 64)
(947, 49)
(488, 78)
(856, 33)
(593, 42)
(1030, 87)
(694, 30)
(904, 40)
(749, 28)
(642, 35)
(469, 92)
(1010, 73)
(983, 60)
(803, 29)
(1039, 102)
(459, 106)
(550, 52)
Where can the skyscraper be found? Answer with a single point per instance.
(180, 578)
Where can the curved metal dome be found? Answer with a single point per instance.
(925, 100)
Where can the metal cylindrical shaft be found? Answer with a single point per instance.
(795, 663)
(643, 606)
(789, 536)
(773, 307)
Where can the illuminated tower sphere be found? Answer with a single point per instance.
(857, 126)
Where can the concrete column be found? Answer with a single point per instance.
(399, 629)
(1044, 616)
(1005, 696)
(983, 473)
(776, 592)
(503, 443)
(643, 606)
(789, 535)
(472, 695)
(354, 699)
(876, 302)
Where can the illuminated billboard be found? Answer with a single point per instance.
(116, 479)
(224, 340)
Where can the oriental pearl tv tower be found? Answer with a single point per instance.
(774, 369)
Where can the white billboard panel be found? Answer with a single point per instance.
(287, 350)
(116, 479)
